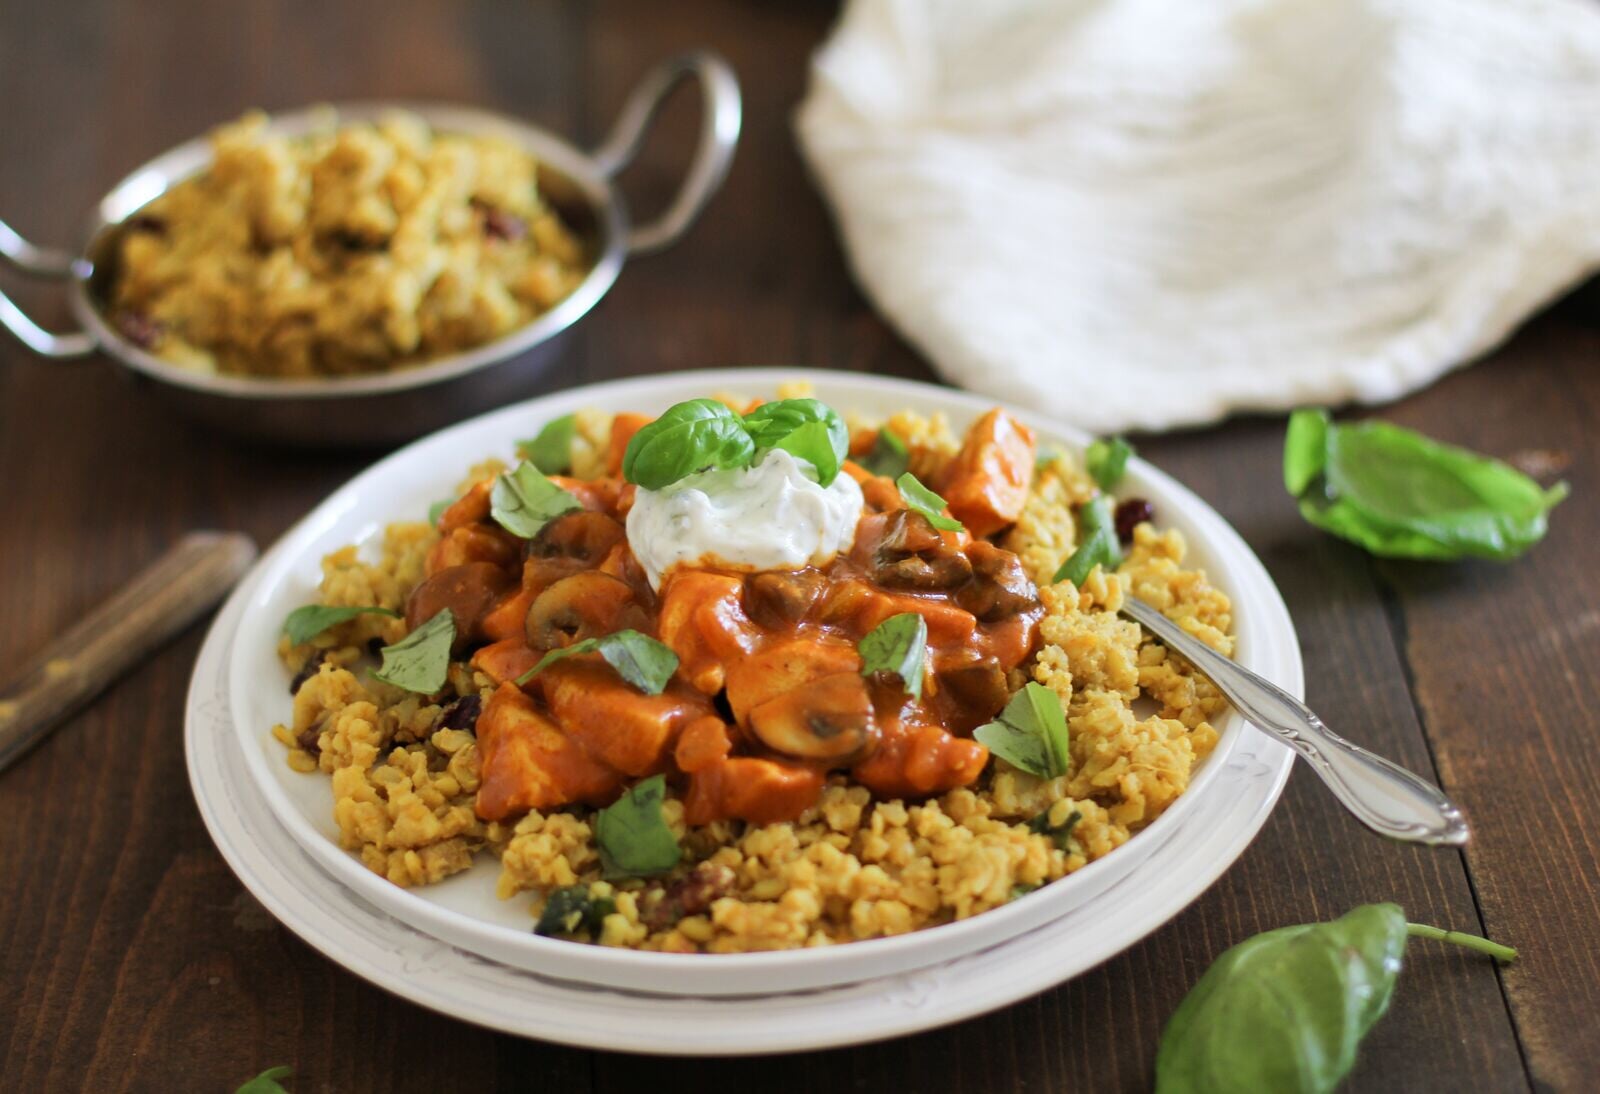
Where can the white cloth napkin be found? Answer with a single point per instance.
(1150, 213)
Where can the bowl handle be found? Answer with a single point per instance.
(39, 262)
(719, 133)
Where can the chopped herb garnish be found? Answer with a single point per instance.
(571, 909)
(812, 443)
(898, 645)
(633, 836)
(805, 428)
(922, 500)
(691, 436)
(310, 620)
(639, 659)
(551, 450)
(523, 501)
(436, 510)
(1097, 542)
(267, 1082)
(1031, 732)
(888, 456)
(1060, 834)
(420, 661)
(1107, 461)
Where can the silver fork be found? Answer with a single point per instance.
(1383, 795)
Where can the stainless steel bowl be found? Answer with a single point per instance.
(396, 406)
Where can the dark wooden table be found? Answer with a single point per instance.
(130, 958)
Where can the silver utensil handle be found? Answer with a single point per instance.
(38, 262)
(721, 117)
(1383, 795)
(158, 603)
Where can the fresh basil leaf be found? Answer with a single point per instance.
(420, 660)
(571, 909)
(1060, 834)
(1097, 542)
(633, 836)
(889, 456)
(1107, 461)
(310, 620)
(769, 423)
(812, 443)
(551, 450)
(1031, 733)
(639, 659)
(523, 501)
(689, 437)
(267, 1081)
(436, 510)
(1399, 494)
(920, 499)
(898, 645)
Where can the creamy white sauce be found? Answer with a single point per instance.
(772, 516)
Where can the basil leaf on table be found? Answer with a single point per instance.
(1097, 542)
(919, 499)
(1107, 461)
(1031, 732)
(420, 661)
(689, 437)
(888, 457)
(310, 620)
(570, 908)
(1286, 1010)
(267, 1081)
(1399, 494)
(632, 834)
(523, 501)
(898, 645)
(551, 450)
(639, 659)
(812, 443)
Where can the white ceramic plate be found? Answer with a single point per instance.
(420, 968)
(464, 911)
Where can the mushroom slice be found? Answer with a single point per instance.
(911, 554)
(999, 586)
(582, 535)
(829, 719)
(586, 605)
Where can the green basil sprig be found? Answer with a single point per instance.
(1107, 461)
(310, 620)
(570, 908)
(691, 436)
(1031, 732)
(638, 659)
(898, 645)
(1401, 495)
(1060, 834)
(1286, 1010)
(551, 450)
(523, 501)
(632, 834)
(267, 1082)
(888, 457)
(420, 661)
(1097, 542)
(703, 433)
(919, 499)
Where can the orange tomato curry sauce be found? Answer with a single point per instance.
(769, 696)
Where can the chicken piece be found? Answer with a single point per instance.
(528, 763)
(474, 543)
(470, 508)
(507, 616)
(614, 722)
(781, 666)
(703, 742)
(752, 789)
(986, 484)
(505, 660)
(702, 620)
(913, 761)
(623, 427)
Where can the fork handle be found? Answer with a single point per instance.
(161, 601)
(1383, 795)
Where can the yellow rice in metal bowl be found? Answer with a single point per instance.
(849, 868)
(354, 249)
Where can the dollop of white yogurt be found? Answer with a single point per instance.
(770, 516)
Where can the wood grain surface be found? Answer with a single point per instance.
(130, 958)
